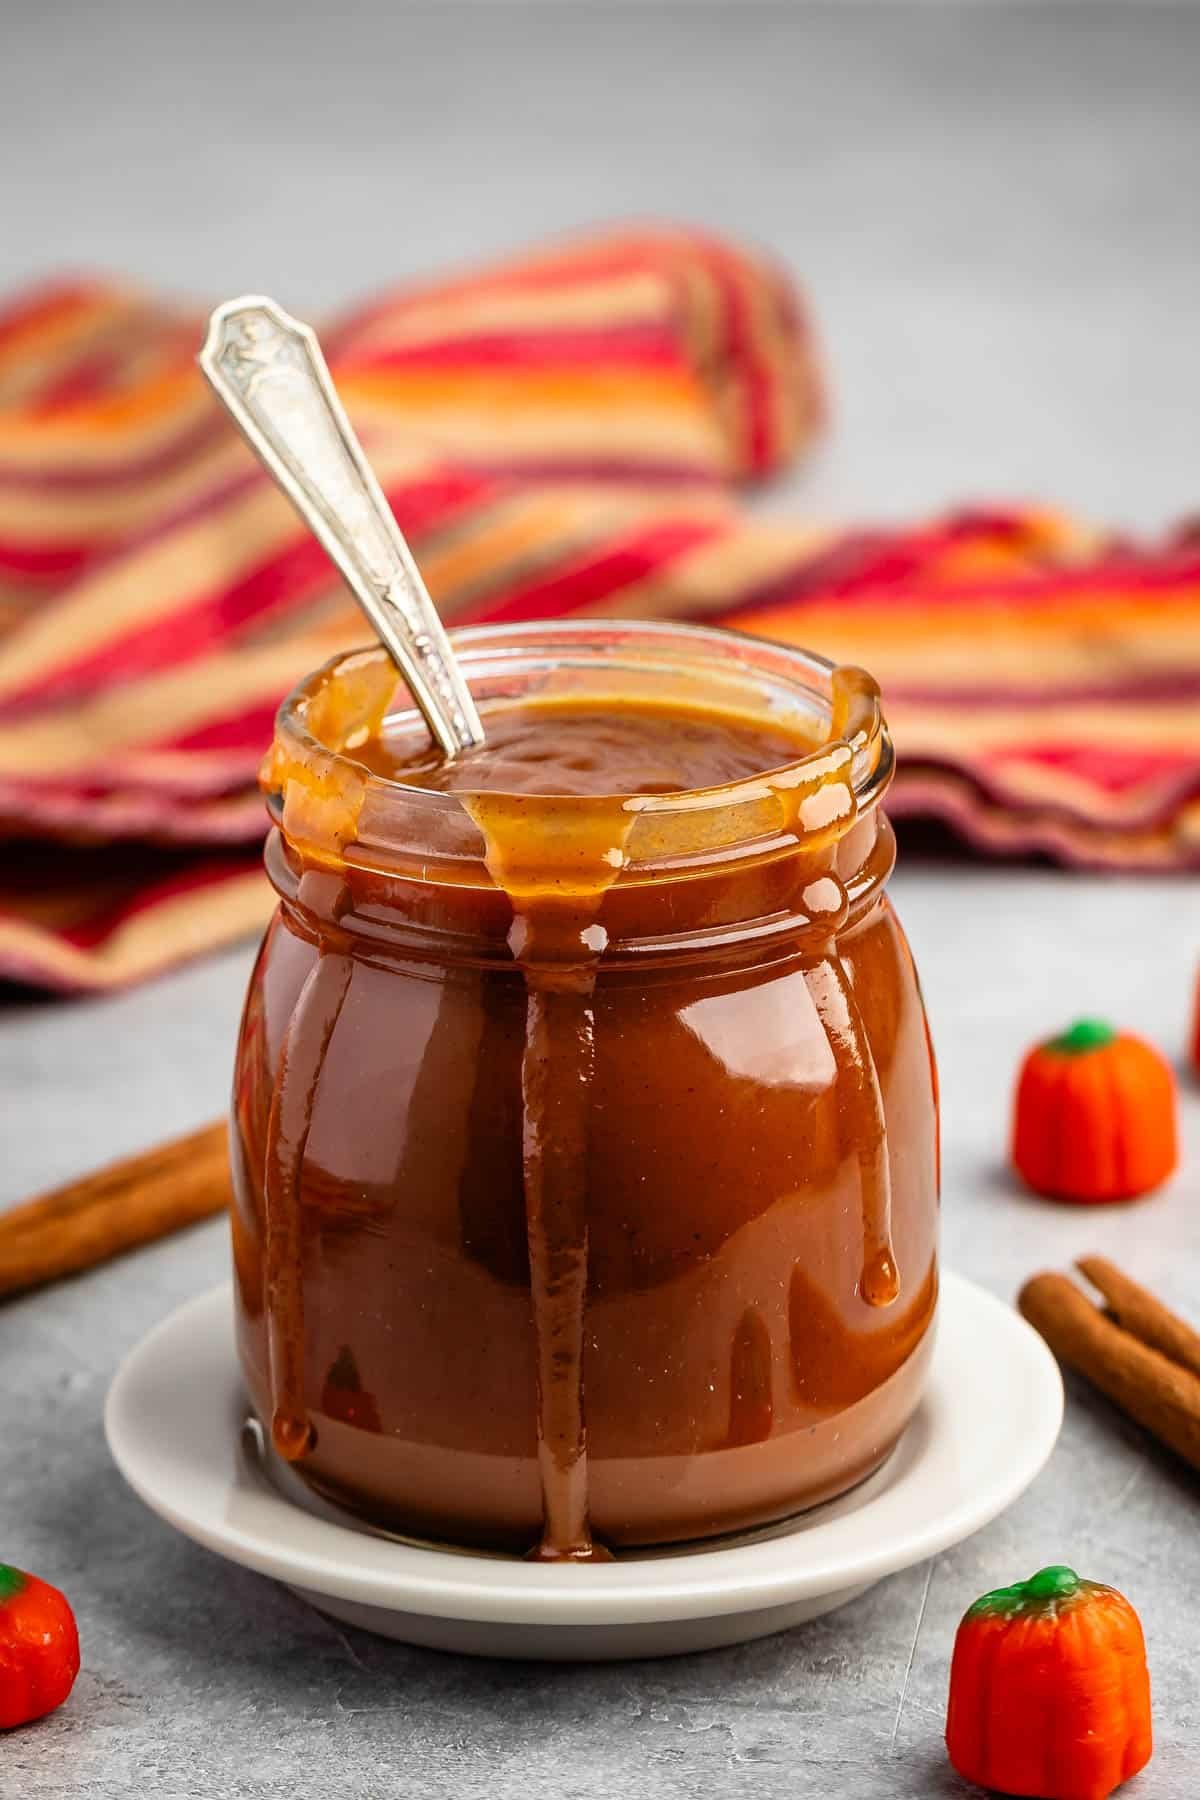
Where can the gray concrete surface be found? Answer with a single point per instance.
(996, 209)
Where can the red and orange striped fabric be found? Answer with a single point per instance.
(565, 433)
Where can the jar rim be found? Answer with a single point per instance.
(866, 734)
(317, 738)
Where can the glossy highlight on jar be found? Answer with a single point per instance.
(585, 1114)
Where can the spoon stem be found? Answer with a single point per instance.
(267, 370)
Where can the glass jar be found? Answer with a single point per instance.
(757, 1166)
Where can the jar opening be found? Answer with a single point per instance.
(333, 809)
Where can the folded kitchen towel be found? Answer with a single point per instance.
(565, 433)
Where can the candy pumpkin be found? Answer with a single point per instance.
(1095, 1116)
(1049, 1693)
(39, 1647)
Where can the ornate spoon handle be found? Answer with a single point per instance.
(268, 371)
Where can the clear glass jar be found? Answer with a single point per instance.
(759, 1167)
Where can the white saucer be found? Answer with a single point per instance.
(175, 1420)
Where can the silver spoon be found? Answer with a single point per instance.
(267, 370)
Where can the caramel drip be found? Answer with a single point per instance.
(837, 1009)
(556, 1072)
(302, 1057)
(818, 805)
(555, 859)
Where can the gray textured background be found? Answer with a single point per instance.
(996, 210)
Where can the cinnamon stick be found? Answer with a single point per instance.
(1153, 1390)
(1137, 1310)
(118, 1208)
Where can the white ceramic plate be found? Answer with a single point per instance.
(176, 1424)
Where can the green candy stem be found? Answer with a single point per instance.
(1084, 1035)
(11, 1581)
(1054, 1583)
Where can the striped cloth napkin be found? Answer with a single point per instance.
(567, 432)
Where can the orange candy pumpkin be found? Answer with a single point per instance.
(1049, 1692)
(39, 1647)
(1095, 1116)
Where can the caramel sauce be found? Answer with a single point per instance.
(557, 747)
(555, 792)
